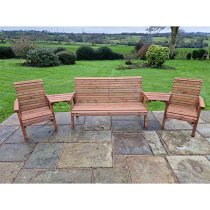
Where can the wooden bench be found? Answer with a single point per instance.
(108, 96)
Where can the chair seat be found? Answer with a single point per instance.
(182, 113)
(36, 115)
(129, 108)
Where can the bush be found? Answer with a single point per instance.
(102, 53)
(66, 57)
(106, 53)
(59, 49)
(200, 54)
(156, 55)
(22, 46)
(6, 52)
(85, 53)
(42, 57)
(189, 56)
(195, 54)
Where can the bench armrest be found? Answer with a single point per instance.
(201, 103)
(16, 106)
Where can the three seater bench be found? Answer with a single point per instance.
(108, 96)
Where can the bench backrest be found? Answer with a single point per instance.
(108, 89)
(31, 95)
(186, 92)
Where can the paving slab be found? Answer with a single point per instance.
(130, 144)
(86, 155)
(182, 143)
(16, 152)
(66, 134)
(119, 161)
(126, 126)
(149, 169)
(111, 175)
(151, 125)
(95, 136)
(45, 155)
(190, 169)
(54, 176)
(64, 118)
(36, 134)
(205, 116)
(13, 120)
(204, 129)
(154, 142)
(9, 170)
(6, 131)
(172, 124)
(97, 123)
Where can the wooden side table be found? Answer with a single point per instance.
(56, 98)
(156, 96)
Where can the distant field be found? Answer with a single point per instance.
(60, 79)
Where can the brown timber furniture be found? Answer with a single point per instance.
(32, 105)
(155, 96)
(108, 96)
(185, 102)
(56, 98)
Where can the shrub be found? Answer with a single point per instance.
(85, 53)
(6, 52)
(106, 53)
(195, 54)
(22, 46)
(66, 57)
(42, 57)
(202, 54)
(156, 55)
(59, 49)
(189, 56)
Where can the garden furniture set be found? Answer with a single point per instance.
(108, 96)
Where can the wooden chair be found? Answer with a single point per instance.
(32, 105)
(185, 102)
(108, 96)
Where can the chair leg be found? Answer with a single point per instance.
(194, 129)
(163, 123)
(23, 128)
(55, 124)
(164, 117)
(145, 121)
(72, 121)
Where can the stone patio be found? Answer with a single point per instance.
(106, 150)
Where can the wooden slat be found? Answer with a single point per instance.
(201, 102)
(16, 106)
(185, 92)
(33, 103)
(109, 90)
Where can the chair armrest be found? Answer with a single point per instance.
(201, 103)
(16, 106)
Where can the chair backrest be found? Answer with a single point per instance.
(186, 92)
(108, 89)
(31, 95)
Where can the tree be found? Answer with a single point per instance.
(174, 33)
(2, 37)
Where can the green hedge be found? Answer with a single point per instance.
(6, 52)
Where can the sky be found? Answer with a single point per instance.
(99, 29)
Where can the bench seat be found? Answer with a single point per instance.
(130, 108)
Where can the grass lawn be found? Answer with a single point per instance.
(60, 79)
